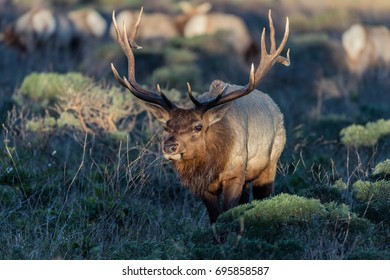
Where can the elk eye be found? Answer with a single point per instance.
(198, 128)
(165, 128)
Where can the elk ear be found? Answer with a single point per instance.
(217, 113)
(204, 8)
(158, 112)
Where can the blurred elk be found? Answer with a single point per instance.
(233, 135)
(88, 23)
(197, 22)
(366, 47)
(42, 27)
(31, 30)
(159, 27)
(189, 11)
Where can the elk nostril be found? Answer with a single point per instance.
(171, 148)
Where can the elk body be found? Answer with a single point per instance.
(160, 27)
(366, 47)
(198, 22)
(88, 23)
(31, 30)
(232, 136)
(42, 27)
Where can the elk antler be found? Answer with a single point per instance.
(131, 84)
(267, 60)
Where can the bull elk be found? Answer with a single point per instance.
(232, 136)
(366, 47)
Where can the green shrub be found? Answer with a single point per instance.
(76, 104)
(372, 191)
(97, 110)
(382, 168)
(43, 89)
(365, 136)
(39, 124)
(373, 199)
(283, 208)
(282, 227)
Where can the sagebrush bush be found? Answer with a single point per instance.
(372, 191)
(78, 104)
(42, 89)
(373, 200)
(382, 168)
(283, 227)
(283, 208)
(365, 136)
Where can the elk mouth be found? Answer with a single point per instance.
(176, 157)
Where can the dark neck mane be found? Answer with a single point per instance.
(198, 173)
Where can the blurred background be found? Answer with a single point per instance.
(80, 169)
(80, 41)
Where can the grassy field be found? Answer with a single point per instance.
(81, 173)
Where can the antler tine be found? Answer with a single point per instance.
(131, 84)
(164, 97)
(117, 77)
(267, 60)
(193, 99)
(263, 48)
(272, 32)
(135, 32)
(284, 60)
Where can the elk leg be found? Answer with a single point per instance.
(245, 195)
(231, 195)
(263, 186)
(212, 204)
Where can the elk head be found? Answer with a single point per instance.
(189, 11)
(187, 129)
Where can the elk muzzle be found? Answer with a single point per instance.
(171, 148)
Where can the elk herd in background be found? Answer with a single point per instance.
(41, 27)
(365, 47)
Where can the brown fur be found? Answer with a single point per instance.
(201, 172)
(11, 39)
